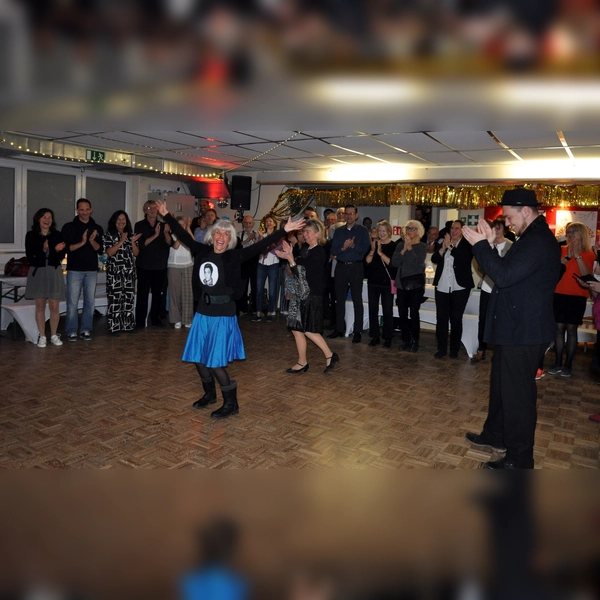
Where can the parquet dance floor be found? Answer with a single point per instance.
(125, 402)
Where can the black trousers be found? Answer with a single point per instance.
(247, 302)
(410, 300)
(450, 308)
(512, 411)
(349, 275)
(387, 305)
(484, 300)
(149, 281)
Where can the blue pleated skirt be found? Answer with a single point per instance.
(214, 341)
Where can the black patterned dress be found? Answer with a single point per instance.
(120, 284)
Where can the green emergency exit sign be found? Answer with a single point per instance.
(95, 155)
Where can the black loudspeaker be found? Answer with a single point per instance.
(241, 188)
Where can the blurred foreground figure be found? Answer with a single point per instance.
(214, 579)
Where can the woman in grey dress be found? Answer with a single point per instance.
(45, 249)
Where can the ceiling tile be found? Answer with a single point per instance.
(466, 140)
(488, 157)
(582, 138)
(228, 137)
(284, 150)
(318, 147)
(446, 158)
(365, 144)
(586, 152)
(542, 153)
(411, 142)
(276, 136)
(528, 139)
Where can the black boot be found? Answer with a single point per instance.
(210, 394)
(230, 405)
(414, 347)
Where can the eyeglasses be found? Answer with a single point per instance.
(411, 228)
(349, 214)
(572, 232)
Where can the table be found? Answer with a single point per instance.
(428, 314)
(23, 311)
(12, 285)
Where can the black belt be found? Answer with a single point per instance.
(348, 262)
(222, 299)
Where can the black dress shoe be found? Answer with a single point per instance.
(453, 355)
(439, 354)
(302, 369)
(503, 463)
(334, 358)
(387, 343)
(374, 341)
(356, 338)
(335, 334)
(405, 346)
(414, 347)
(480, 442)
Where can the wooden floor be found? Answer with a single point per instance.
(125, 402)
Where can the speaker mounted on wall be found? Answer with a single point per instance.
(241, 189)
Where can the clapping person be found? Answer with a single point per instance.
(83, 239)
(380, 274)
(215, 339)
(409, 258)
(121, 248)
(45, 249)
(268, 268)
(179, 275)
(151, 265)
(305, 312)
(454, 281)
(570, 297)
(502, 245)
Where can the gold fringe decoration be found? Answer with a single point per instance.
(459, 196)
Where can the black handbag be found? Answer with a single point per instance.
(413, 282)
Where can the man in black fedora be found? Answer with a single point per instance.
(520, 324)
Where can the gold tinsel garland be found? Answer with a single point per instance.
(466, 196)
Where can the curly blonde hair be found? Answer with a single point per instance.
(417, 224)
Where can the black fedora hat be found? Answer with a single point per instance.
(519, 197)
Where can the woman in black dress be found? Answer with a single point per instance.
(380, 273)
(305, 313)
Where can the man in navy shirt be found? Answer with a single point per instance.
(349, 246)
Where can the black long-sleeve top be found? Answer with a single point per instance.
(313, 260)
(218, 274)
(84, 258)
(34, 249)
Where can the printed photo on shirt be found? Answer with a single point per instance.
(209, 273)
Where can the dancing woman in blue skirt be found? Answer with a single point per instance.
(215, 339)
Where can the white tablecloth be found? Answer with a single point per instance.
(25, 315)
(428, 315)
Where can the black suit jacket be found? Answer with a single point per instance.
(463, 256)
(520, 310)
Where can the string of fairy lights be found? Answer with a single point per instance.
(72, 153)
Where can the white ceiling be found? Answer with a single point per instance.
(288, 156)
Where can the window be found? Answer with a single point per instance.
(7, 205)
(51, 190)
(106, 196)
